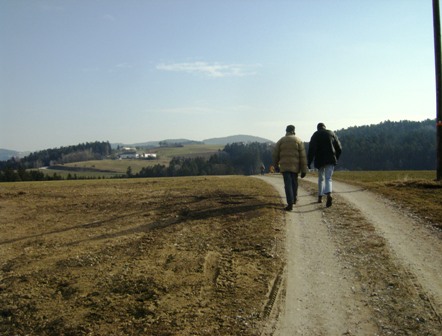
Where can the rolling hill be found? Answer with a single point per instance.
(212, 141)
(235, 138)
(6, 154)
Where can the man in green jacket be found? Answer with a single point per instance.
(289, 155)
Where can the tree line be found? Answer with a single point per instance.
(81, 152)
(403, 145)
(21, 169)
(234, 159)
(8, 174)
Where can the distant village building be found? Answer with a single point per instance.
(128, 155)
(149, 156)
(131, 153)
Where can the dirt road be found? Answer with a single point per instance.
(360, 267)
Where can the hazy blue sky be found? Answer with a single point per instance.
(130, 71)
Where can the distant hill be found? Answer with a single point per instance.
(402, 145)
(211, 141)
(81, 152)
(6, 154)
(236, 138)
(169, 141)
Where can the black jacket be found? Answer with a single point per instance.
(324, 148)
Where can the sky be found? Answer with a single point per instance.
(75, 71)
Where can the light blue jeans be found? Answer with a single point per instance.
(325, 174)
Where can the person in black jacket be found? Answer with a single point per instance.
(325, 149)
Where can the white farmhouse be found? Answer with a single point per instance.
(149, 156)
(128, 156)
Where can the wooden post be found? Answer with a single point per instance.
(438, 59)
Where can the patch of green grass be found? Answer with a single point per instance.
(117, 166)
(188, 150)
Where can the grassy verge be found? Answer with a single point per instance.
(416, 191)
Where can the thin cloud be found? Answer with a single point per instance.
(215, 70)
(121, 67)
(206, 110)
(191, 110)
(108, 17)
(124, 65)
(114, 68)
(50, 7)
(90, 69)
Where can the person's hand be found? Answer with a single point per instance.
(303, 175)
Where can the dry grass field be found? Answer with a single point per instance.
(181, 256)
(415, 191)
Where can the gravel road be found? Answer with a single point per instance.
(361, 267)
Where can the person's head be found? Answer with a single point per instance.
(320, 126)
(290, 129)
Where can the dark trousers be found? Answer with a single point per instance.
(290, 186)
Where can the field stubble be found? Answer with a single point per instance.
(182, 256)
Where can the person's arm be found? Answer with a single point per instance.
(275, 154)
(302, 160)
(311, 151)
(337, 146)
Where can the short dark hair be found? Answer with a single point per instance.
(290, 129)
(320, 126)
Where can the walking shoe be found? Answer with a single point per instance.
(329, 201)
(319, 199)
(288, 207)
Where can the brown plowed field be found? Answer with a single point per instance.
(182, 256)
